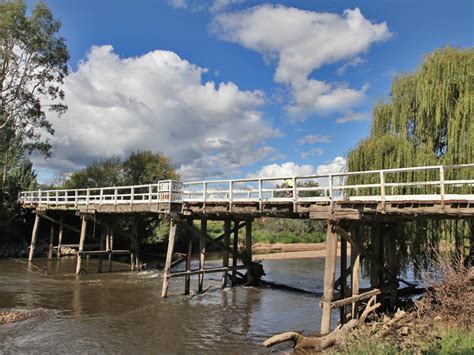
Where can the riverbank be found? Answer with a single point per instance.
(277, 251)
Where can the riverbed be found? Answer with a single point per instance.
(122, 311)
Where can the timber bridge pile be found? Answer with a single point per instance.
(352, 203)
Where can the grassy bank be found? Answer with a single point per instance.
(427, 337)
(265, 230)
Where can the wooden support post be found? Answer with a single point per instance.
(189, 253)
(343, 277)
(51, 242)
(103, 235)
(329, 277)
(383, 230)
(375, 252)
(392, 262)
(34, 235)
(202, 252)
(169, 257)
(355, 262)
(235, 252)
(111, 247)
(81, 244)
(132, 261)
(225, 253)
(248, 249)
(60, 238)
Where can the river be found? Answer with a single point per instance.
(122, 312)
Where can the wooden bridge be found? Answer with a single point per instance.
(352, 203)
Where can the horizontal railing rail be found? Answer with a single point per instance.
(431, 183)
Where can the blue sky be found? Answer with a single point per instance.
(244, 127)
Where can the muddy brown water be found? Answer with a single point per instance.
(122, 312)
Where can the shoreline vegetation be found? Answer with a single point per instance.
(440, 321)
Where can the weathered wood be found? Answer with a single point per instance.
(202, 252)
(60, 237)
(391, 243)
(355, 298)
(329, 277)
(51, 242)
(187, 280)
(169, 257)
(375, 253)
(103, 235)
(212, 241)
(81, 244)
(34, 236)
(225, 253)
(110, 247)
(343, 277)
(355, 263)
(235, 252)
(205, 271)
(248, 249)
(106, 252)
(364, 253)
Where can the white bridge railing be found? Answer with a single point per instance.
(427, 183)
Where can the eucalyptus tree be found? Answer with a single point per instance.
(428, 120)
(33, 65)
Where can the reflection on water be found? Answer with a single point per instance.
(122, 312)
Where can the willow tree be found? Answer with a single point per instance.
(428, 120)
(33, 64)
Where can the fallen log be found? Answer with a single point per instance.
(319, 343)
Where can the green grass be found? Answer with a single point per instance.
(447, 341)
(283, 234)
(263, 236)
(455, 341)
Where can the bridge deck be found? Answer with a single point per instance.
(383, 194)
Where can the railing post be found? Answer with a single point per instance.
(115, 196)
(382, 189)
(39, 197)
(76, 197)
(132, 195)
(101, 196)
(204, 195)
(331, 197)
(260, 202)
(294, 194)
(87, 196)
(441, 184)
(230, 195)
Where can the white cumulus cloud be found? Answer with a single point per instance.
(301, 42)
(157, 101)
(337, 165)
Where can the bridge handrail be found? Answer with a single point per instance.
(328, 188)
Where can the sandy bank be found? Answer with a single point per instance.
(290, 251)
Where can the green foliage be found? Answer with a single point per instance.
(455, 341)
(33, 64)
(107, 172)
(427, 121)
(146, 167)
(141, 167)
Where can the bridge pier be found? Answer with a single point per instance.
(223, 242)
(383, 280)
(34, 236)
(82, 239)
